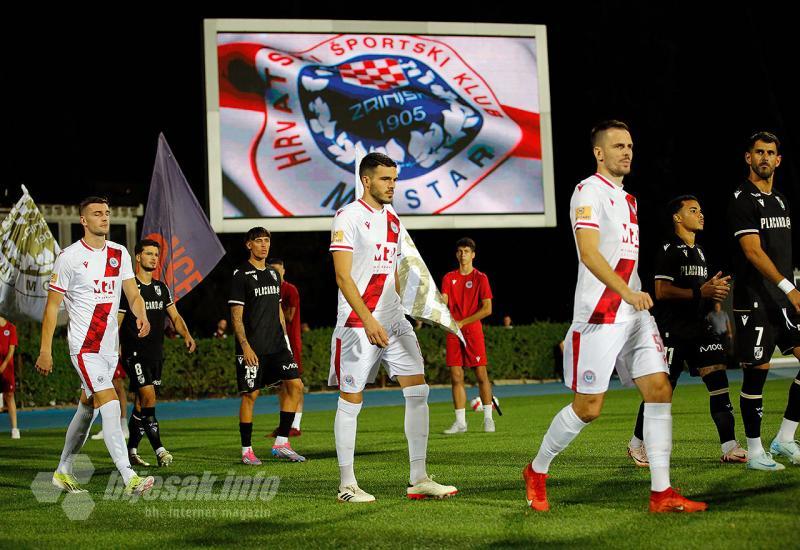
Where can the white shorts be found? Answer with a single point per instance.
(593, 351)
(355, 362)
(96, 371)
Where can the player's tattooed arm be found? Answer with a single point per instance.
(250, 357)
(137, 306)
(751, 246)
(589, 250)
(181, 328)
(342, 264)
(44, 364)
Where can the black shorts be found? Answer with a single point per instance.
(272, 369)
(705, 350)
(760, 329)
(142, 371)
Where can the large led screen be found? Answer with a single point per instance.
(462, 108)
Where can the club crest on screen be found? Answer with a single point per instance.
(296, 120)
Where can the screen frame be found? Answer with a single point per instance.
(220, 224)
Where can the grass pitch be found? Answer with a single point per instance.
(598, 497)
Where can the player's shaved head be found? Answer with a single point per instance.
(599, 131)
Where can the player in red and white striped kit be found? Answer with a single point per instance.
(89, 277)
(611, 327)
(371, 328)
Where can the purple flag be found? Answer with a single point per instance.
(189, 248)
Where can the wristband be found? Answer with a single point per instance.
(786, 286)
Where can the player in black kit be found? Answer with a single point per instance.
(142, 358)
(766, 305)
(263, 354)
(684, 295)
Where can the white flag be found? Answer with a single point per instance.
(419, 295)
(27, 254)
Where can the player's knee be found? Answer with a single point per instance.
(457, 375)
(588, 411)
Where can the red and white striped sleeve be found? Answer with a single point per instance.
(584, 208)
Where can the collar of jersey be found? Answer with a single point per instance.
(368, 207)
(94, 249)
(610, 184)
(754, 186)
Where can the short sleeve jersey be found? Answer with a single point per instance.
(465, 294)
(685, 267)
(599, 205)
(259, 292)
(157, 299)
(373, 236)
(91, 282)
(8, 338)
(752, 212)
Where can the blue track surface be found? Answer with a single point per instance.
(209, 408)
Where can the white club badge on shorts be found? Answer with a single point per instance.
(758, 352)
(589, 377)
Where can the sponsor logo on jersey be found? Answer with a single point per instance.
(455, 281)
(266, 290)
(761, 202)
(745, 318)
(154, 305)
(113, 262)
(589, 377)
(86, 265)
(711, 347)
(105, 286)
(367, 223)
(54, 278)
(758, 352)
(583, 213)
(774, 222)
(685, 252)
(338, 236)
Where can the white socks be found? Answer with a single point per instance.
(635, 442)
(461, 417)
(563, 429)
(787, 431)
(115, 440)
(416, 426)
(77, 432)
(344, 431)
(281, 440)
(296, 421)
(487, 411)
(728, 446)
(754, 446)
(658, 439)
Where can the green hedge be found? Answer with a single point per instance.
(522, 352)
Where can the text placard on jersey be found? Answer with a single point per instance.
(463, 109)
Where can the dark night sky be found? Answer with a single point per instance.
(89, 97)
